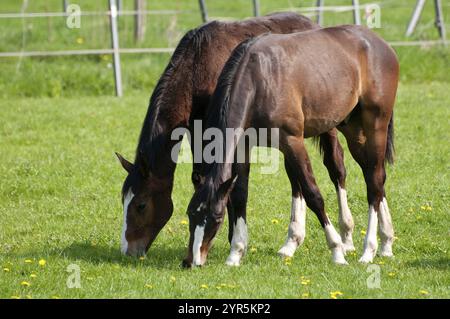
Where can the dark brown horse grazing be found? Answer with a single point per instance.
(304, 84)
(182, 96)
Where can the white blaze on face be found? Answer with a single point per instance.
(198, 240)
(126, 202)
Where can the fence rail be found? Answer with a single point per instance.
(114, 12)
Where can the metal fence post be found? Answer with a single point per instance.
(256, 12)
(415, 17)
(319, 12)
(440, 19)
(356, 13)
(115, 46)
(203, 10)
(65, 5)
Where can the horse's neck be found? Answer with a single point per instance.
(171, 110)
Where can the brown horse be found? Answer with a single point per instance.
(182, 96)
(304, 84)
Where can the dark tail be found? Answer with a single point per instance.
(390, 149)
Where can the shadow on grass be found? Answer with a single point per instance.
(435, 263)
(157, 257)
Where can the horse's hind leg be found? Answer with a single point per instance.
(333, 158)
(303, 183)
(366, 136)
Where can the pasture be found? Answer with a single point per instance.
(60, 181)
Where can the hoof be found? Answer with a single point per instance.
(366, 258)
(348, 247)
(338, 256)
(233, 261)
(287, 250)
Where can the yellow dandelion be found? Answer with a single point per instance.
(380, 262)
(33, 276)
(288, 261)
(28, 297)
(148, 286)
(305, 295)
(42, 262)
(25, 283)
(429, 208)
(28, 261)
(6, 269)
(305, 282)
(275, 221)
(391, 274)
(363, 232)
(423, 292)
(223, 285)
(184, 222)
(335, 294)
(172, 279)
(15, 297)
(204, 286)
(423, 207)
(141, 258)
(80, 40)
(253, 250)
(56, 297)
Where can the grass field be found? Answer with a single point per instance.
(60, 187)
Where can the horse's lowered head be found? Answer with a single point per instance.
(206, 214)
(147, 206)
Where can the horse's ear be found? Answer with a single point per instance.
(226, 187)
(128, 166)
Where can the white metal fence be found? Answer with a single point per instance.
(115, 10)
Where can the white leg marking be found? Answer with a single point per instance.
(126, 202)
(370, 242)
(238, 243)
(296, 232)
(334, 242)
(198, 240)
(385, 229)
(346, 223)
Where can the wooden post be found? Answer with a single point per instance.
(203, 10)
(139, 30)
(256, 12)
(319, 19)
(440, 19)
(415, 17)
(115, 46)
(356, 13)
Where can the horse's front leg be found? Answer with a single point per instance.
(297, 225)
(237, 210)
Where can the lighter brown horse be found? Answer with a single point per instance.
(182, 96)
(304, 85)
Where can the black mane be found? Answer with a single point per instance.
(152, 138)
(219, 106)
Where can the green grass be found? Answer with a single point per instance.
(60, 201)
(60, 181)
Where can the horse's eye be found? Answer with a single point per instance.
(141, 206)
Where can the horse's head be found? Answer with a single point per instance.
(147, 206)
(206, 214)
